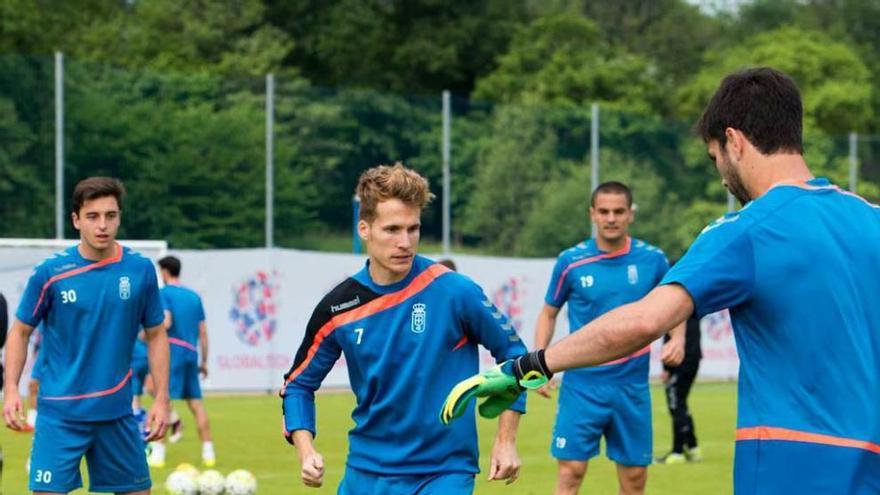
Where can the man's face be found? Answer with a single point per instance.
(729, 172)
(612, 215)
(392, 238)
(98, 222)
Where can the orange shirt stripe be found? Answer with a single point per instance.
(375, 306)
(786, 435)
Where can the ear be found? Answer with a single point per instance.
(736, 142)
(363, 230)
(74, 218)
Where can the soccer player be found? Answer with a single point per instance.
(92, 299)
(677, 380)
(187, 334)
(409, 330)
(799, 268)
(612, 400)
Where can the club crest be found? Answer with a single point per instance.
(124, 288)
(632, 274)
(419, 318)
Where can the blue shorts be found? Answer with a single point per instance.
(113, 449)
(765, 467)
(183, 382)
(357, 482)
(140, 368)
(620, 413)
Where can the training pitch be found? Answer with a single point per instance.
(247, 435)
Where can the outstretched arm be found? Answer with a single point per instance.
(622, 331)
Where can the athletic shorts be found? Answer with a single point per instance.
(113, 450)
(357, 482)
(765, 467)
(620, 413)
(140, 368)
(183, 381)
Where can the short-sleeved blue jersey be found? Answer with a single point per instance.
(799, 269)
(594, 282)
(187, 313)
(91, 313)
(406, 346)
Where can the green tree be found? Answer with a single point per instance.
(405, 46)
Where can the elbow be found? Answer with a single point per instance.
(650, 327)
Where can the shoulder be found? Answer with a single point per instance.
(347, 295)
(575, 253)
(55, 264)
(649, 251)
(135, 258)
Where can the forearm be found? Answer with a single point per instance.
(508, 423)
(622, 331)
(544, 330)
(16, 354)
(303, 440)
(203, 344)
(679, 332)
(158, 356)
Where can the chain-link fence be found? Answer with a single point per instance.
(192, 150)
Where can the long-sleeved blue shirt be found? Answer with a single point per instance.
(406, 346)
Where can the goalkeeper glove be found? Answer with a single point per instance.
(501, 385)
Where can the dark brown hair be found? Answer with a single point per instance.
(94, 188)
(762, 103)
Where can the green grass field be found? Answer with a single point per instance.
(247, 434)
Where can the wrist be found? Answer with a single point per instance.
(531, 363)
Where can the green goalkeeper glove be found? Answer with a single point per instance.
(501, 385)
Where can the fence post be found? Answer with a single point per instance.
(447, 187)
(270, 160)
(594, 155)
(59, 145)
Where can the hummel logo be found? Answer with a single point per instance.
(335, 308)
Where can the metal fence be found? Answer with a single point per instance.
(215, 162)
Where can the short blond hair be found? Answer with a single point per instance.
(391, 182)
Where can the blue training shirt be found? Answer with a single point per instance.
(406, 345)
(91, 313)
(187, 313)
(594, 282)
(799, 269)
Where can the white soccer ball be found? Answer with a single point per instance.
(211, 482)
(189, 469)
(181, 483)
(241, 482)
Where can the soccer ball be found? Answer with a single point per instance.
(189, 469)
(241, 482)
(181, 483)
(211, 482)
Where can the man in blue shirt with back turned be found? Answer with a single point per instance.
(613, 400)
(409, 329)
(187, 335)
(799, 268)
(92, 299)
